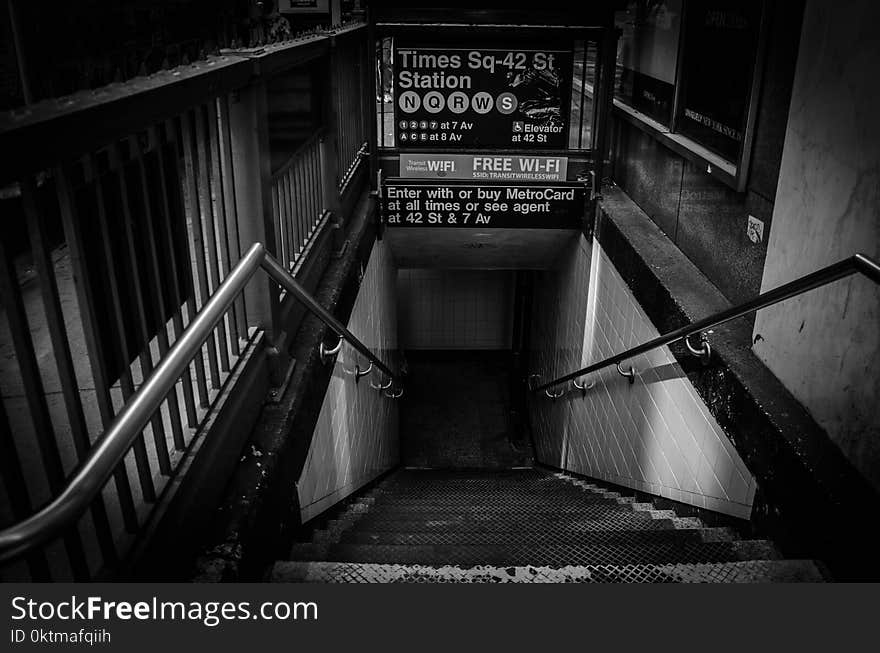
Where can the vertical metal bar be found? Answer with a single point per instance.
(349, 118)
(598, 112)
(277, 198)
(97, 362)
(140, 451)
(310, 186)
(135, 267)
(167, 232)
(227, 325)
(354, 117)
(315, 178)
(358, 90)
(276, 213)
(16, 489)
(308, 209)
(13, 303)
(295, 211)
(196, 274)
(301, 213)
(363, 90)
(158, 300)
(308, 191)
(583, 96)
(338, 104)
(377, 131)
(288, 209)
(232, 234)
(288, 214)
(349, 97)
(207, 186)
(318, 167)
(76, 418)
(305, 194)
(197, 241)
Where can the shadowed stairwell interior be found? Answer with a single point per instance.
(470, 506)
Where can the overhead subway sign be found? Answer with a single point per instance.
(481, 97)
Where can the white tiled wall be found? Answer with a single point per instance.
(355, 438)
(655, 435)
(455, 309)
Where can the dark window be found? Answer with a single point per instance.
(647, 54)
(721, 41)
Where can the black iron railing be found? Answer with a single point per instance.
(859, 263)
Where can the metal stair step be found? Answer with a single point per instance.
(522, 523)
(521, 538)
(489, 489)
(753, 571)
(536, 504)
(554, 555)
(510, 509)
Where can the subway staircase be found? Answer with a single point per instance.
(523, 526)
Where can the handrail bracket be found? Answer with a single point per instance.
(327, 353)
(704, 351)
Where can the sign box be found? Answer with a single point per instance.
(459, 97)
(514, 206)
(489, 167)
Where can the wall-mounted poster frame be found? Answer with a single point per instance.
(647, 56)
(721, 163)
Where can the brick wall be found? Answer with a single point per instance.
(655, 435)
(355, 438)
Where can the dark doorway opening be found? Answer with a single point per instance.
(458, 412)
(464, 334)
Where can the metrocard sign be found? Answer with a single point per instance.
(422, 203)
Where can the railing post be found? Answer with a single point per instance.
(252, 166)
(330, 144)
(372, 92)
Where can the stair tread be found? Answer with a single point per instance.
(466, 523)
(486, 496)
(752, 571)
(528, 509)
(519, 537)
(550, 555)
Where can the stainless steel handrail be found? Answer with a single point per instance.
(109, 450)
(286, 281)
(856, 263)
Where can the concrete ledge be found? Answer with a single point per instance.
(810, 499)
(256, 521)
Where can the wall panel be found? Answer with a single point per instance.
(355, 438)
(655, 435)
